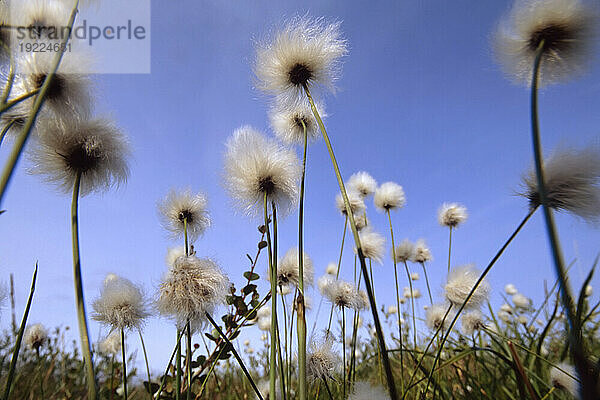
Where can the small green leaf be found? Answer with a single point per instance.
(251, 276)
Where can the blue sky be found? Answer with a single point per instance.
(421, 102)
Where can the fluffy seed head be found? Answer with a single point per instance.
(565, 378)
(471, 322)
(404, 251)
(421, 253)
(288, 270)
(362, 183)
(510, 289)
(392, 310)
(178, 207)
(35, 336)
(389, 196)
(344, 295)
(365, 391)
(255, 167)
(289, 121)
(173, 254)
(111, 345)
(407, 293)
(505, 316)
(264, 324)
(434, 317)
(361, 221)
(69, 92)
(331, 269)
(192, 288)
(521, 301)
(451, 215)
(461, 281)
(414, 276)
(357, 204)
(305, 52)
(564, 28)
(40, 17)
(121, 305)
(96, 149)
(325, 282)
(506, 308)
(571, 178)
(588, 291)
(373, 245)
(321, 361)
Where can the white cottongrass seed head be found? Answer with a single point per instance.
(111, 345)
(510, 289)
(305, 52)
(361, 221)
(567, 29)
(344, 295)
(389, 196)
(403, 251)
(452, 215)
(372, 244)
(564, 378)
(35, 336)
(392, 310)
(288, 121)
(324, 282)
(192, 288)
(589, 290)
(362, 183)
(96, 149)
(180, 206)
(288, 269)
(321, 361)
(461, 280)
(421, 253)
(331, 269)
(414, 276)
(434, 317)
(256, 166)
(572, 181)
(521, 301)
(173, 254)
(366, 391)
(472, 322)
(357, 204)
(121, 305)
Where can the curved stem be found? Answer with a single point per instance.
(188, 360)
(343, 351)
(449, 248)
(337, 274)
(301, 320)
(427, 282)
(380, 339)
(398, 309)
(124, 357)
(5, 131)
(412, 303)
(582, 364)
(81, 315)
(273, 275)
(146, 361)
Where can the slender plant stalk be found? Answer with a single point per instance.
(236, 355)
(112, 375)
(521, 371)
(301, 320)
(380, 339)
(188, 360)
(11, 163)
(164, 378)
(449, 248)
(15, 354)
(17, 100)
(412, 303)
(146, 361)
(549, 393)
(327, 388)
(337, 274)
(282, 380)
(39, 359)
(398, 309)
(79, 298)
(10, 79)
(481, 277)
(584, 367)
(286, 328)
(178, 365)
(427, 282)
(343, 352)
(124, 357)
(273, 274)
(5, 131)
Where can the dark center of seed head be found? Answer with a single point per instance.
(300, 74)
(301, 122)
(266, 185)
(556, 37)
(82, 160)
(185, 215)
(56, 87)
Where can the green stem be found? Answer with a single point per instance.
(147, 364)
(81, 315)
(481, 277)
(164, 378)
(363, 265)
(412, 303)
(10, 79)
(398, 310)
(343, 352)
(5, 130)
(17, 100)
(17, 348)
(273, 274)
(178, 365)
(124, 357)
(11, 163)
(185, 237)
(236, 355)
(449, 248)
(582, 364)
(337, 274)
(301, 321)
(188, 360)
(427, 282)
(39, 359)
(112, 374)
